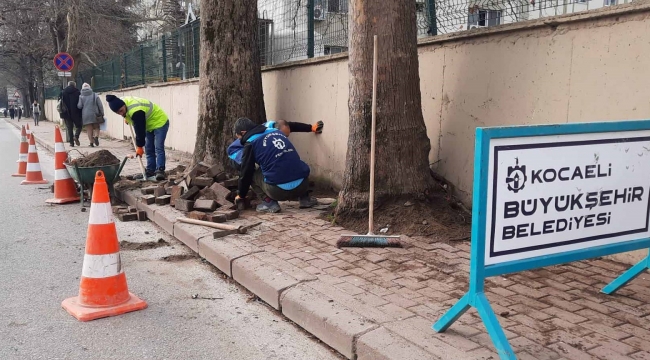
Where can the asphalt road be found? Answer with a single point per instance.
(41, 254)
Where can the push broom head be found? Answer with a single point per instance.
(369, 240)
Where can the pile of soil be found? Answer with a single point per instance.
(439, 218)
(99, 158)
(430, 219)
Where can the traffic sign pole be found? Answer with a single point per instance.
(64, 62)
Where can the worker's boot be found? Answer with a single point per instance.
(160, 175)
(150, 176)
(307, 201)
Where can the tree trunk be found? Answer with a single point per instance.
(402, 148)
(231, 80)
(72, 36)
(32, 95)
(41, 89)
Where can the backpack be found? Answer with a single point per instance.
(61, 107)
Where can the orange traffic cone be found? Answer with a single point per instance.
(103, 291)
(29, 132)
(65, 191)
(22, 154)
(34, 174)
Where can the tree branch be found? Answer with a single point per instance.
(88, 58)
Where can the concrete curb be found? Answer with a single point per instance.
(303, 298)
(263, 279)
(331, 322)
(382, 344)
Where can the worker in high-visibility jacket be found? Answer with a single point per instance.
(150, 124)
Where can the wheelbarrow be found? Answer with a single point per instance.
(85, 176)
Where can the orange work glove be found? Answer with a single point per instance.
(317, 127)
(240, 203)
(139, 151)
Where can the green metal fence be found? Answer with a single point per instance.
(292, 30)
(288, 30)
(172, 57)
(52, 92)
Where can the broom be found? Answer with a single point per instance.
(370, 239)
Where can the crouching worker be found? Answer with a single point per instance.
(235, 149)
(281, 174)
(150, 124)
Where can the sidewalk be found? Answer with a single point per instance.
(120, 148)
(380, 303)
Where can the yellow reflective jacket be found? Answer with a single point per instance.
(154, 115)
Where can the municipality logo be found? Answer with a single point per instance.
(516, 179)
(278, 143)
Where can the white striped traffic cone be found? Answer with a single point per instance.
(34, 174)
(65, 190)
(22, 154)
(103, 290)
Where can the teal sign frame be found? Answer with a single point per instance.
(475, 296)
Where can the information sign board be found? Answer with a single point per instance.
(552, 194)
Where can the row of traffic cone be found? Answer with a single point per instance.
(28, 164)
(103, 290)
(65, 190)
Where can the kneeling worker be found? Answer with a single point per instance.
(281, 174)
(235, 150)
(150, 124)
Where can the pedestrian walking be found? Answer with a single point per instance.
(92, 113)
(71, 113)
(20, 112)
(12, 113)
(150, 124)
(36, 112)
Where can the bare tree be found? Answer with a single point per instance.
(35, 31)
(402, 144)
(94, 32)
(24, 41)
(231, 79)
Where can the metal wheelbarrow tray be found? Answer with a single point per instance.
(85, 176)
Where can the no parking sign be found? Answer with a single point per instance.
(63, 62)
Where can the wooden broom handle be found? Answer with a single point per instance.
(135, 148)
(371, 202)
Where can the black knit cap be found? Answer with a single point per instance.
(114, 102)
(243, 124)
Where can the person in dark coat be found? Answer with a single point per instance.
(20, 113)
(12, 112)
(72, 117)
